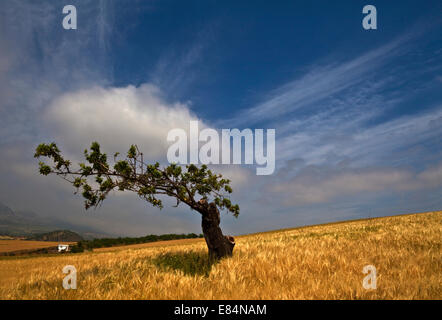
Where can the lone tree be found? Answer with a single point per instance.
(199, 188)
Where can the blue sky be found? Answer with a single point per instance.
(357, 113)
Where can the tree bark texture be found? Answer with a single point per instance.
(219, 245)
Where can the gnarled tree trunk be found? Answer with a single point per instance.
(219, 245)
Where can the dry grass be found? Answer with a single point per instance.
(167, 243)
(318, 262)
(18, 245)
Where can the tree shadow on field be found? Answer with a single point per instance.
(190, 263)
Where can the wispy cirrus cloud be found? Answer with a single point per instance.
(332, 140)
(321, 82)
(181, 66)
(355, 129)
(344, 111)
(314, 185)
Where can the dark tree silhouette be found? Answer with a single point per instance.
(199, 188)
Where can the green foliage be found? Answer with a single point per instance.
(111, 242)
(97, 159)
(44, 169)
(132, 153)
(188, 185)
(190, 263)
(51, 151)
(122, 167)
(77, 248)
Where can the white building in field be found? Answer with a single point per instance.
(63, 248)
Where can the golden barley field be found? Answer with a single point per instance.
(316, 262)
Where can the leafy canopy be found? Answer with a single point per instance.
(96, 178)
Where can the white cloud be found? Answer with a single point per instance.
(322, 138)
(117, 118)
(318, 185)
(239, 176)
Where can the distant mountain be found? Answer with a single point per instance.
(59, 235)
(27, 214)
(28, 223)
(6, 212)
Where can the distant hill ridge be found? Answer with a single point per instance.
(58, 235)
(18, 223)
